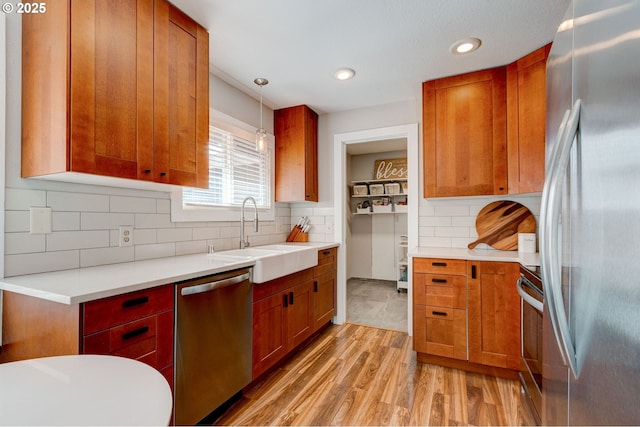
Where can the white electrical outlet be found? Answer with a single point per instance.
(126, 235)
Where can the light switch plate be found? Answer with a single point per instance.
(39, 220)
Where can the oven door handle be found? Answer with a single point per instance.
(526, 297)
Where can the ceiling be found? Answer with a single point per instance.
(393, 45)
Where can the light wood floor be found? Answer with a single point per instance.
(359, 375)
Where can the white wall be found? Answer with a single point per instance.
(86, 218)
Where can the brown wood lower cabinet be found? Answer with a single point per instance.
(288, 310)
(467, 314)
(137, 325)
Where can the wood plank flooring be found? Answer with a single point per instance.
(358, 375)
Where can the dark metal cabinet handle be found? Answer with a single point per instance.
(135, 301)
(473, 272)
(439, 264)
(439, 313)
(163, 174)
(315, 286)
(135, 333)
(291, 298)
(439, 280)
(326, 252)
(286, 301)
(147, 171)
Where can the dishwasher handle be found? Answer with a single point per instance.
(211, 286)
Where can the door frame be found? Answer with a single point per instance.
(341, 206)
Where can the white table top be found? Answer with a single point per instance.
(83, 390)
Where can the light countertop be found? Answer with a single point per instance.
(526, 259)
(91, 283)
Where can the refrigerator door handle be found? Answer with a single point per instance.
(550, 239)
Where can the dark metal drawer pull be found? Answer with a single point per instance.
(291, 298)
(439, 264)
(135, 333)
(135, 301)
(326, 252)
(439, 280)
(315, 286)
(286, 301)
(439, 313)
(473, 272)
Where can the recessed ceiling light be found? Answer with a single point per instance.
(465, 46)
(344, 74)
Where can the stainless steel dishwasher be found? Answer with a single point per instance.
(213, 343)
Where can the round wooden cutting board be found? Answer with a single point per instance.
(499, 223)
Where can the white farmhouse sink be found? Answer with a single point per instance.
(273, 261)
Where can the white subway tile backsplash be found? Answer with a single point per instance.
(191, 247)
(23, 243)
(163, 206)
(165, 235)
(158, 250)
(65, 221)
(452, 210)
(452, 232)
(22, 200)
(105, 221)
(153, 221)
(16, 221)
(102, 256)
(145, 236)
(451, 222)
(65, 240)
(85, 229)
(40, 262)
(132, 204)
(77, 202)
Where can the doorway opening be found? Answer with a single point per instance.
(346, 230)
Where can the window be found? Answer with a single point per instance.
(236, 170)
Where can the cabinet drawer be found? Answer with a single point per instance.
(120, 309)
(149, 340)
(440, 331)
(440, 290)
(326, 262)
(440, 266)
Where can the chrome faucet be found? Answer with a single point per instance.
(244, 240)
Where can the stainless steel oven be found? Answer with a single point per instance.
(530, 289)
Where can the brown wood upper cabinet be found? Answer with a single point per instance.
(526, 108)
(465, 146)
(118, 89)
(296, 132)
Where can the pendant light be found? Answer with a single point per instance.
(261, 134)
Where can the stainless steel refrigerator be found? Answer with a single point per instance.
(590, 218)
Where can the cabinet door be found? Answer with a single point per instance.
(494, 314)
(111, 87)
(465, 134)
(324, 299)
(526, 115)
(299, 313)
(269, 332)
(440, 331)
(296, 132)
(181, 98)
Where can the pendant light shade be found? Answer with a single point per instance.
(261, 134)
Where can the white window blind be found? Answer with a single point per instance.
(236, 170)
